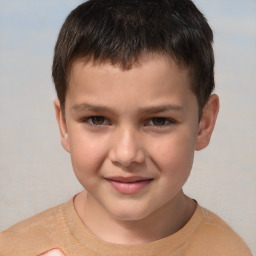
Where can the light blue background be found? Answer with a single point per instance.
(35, 173)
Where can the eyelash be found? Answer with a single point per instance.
(167, 121)
(89, 121)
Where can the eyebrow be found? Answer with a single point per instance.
(89, 107)
(147, 110)
(159, 109)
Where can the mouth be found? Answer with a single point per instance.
(128, 185)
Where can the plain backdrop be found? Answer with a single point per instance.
(36, 173)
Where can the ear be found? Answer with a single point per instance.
(62, 125)
(207, 122)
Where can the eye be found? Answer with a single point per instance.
(97, 121)
(160, 121)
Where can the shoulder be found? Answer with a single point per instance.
(213, 235)
(38, 220)
(34, 233)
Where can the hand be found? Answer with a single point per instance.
(53, 252)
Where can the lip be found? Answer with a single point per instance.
(128, 185)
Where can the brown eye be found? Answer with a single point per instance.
(158, 121)
(97, 120)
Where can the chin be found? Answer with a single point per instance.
(131, 214)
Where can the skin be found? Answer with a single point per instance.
(140, 123)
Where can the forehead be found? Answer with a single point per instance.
(151, 82)
(149, 64)
(140, 60)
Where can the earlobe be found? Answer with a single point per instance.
(207, 122)
(62, 125)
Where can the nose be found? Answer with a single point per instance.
(126, 148)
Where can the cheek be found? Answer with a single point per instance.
(174, 159)
(174, 154)
(87, 152)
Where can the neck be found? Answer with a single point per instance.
(165, 222)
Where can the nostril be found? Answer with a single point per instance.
(126, 149)
(127, 160)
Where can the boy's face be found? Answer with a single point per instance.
(131, 134)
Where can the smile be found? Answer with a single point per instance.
(130, 185)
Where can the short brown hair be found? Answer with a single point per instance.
(120, 31)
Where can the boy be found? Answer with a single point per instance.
(134, 81)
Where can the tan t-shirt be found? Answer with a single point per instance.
(59, 231)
